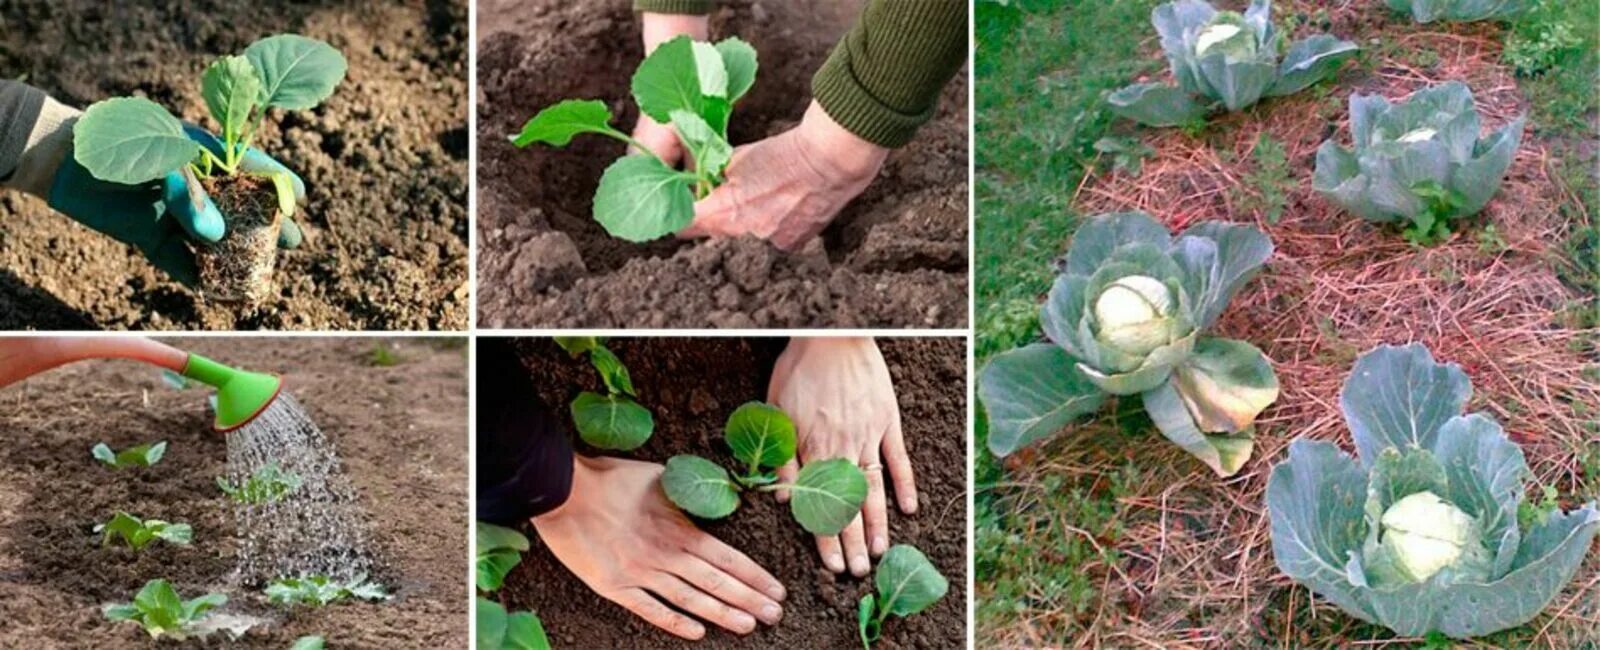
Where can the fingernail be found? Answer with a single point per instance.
(744, 622)
(771, 614)
(859, 565)
(834, 562)
(879, 545)
(911, 504)
(777, 592)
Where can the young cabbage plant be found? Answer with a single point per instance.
(1419, 163)
(1125, 317)
(320, 590)
(1427, 11)
(137, 456)
(499, 551)
(133, 141)
(1419, 532)
(268, 484)
(137, 533)
(612, 421)
(688, 84)
(907, 584)
(309, 643)
(498, 629)
(1223, 59)
(158, 609)
(824, 498)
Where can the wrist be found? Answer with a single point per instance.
(584, 474)
(658, 28)
(830, 344)
(842, 155)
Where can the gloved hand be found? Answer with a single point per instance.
(156, 216)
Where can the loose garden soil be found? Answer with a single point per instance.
(400, 432)
(691, 385)
(384, 160)
(896, 257)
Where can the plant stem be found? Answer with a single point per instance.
(774, 486)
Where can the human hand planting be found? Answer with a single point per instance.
(658, 28)
(841, 398)
(618, 533)
(788, 187)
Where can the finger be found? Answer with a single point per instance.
(832, 553)
(257, 162)
(855, 547)
(687, 598)
(653, 612)
(203, 222)
(874, 512)
(729, 589)
(289, 235)
(787, 475)
(738, 565)
(899, 464)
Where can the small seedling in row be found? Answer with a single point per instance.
(309, 643)
(318, 590)
(502, 630)
(268, 484)
(139, 456)
(612, 421)
(139, 533)
(825, 496)
(134, 141)
(907, 584)
(161, 613)
(499, 551)
(687, 84)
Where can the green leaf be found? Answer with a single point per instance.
(283, 186)
(158, 602)
(1225, 384)
(1398, 396)
(1485, 471)
(103, 453)
(231, 88)
(1217, 259)
(700, 487)
(907, 582)
(708, 149)
(131, 140)
(669, 80)
(309, 643)
(1310, 60)
(865, 622)
(827, 495)
(1156, 105)
(611, 422)
(1032, 392)
(612, 372)
(761, 435)
(557, 124)
(1315, 501)
(577, 345)
(136, 456)
(740, 60)
(499, 551)
(1224, 454)
(640, 198)
(491, 622)
(713, 74)
(525, 632)
(297, 73)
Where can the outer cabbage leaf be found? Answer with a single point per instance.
(1099, 238)
(1400, 397)
(1309, 61)
(1214, 273)
(1225, 384)
(1427, 11)
(1031, 393)
(1224, 454)
(1156, 105)
(1315, 501)
(1485, 472)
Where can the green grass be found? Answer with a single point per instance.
(383, 356)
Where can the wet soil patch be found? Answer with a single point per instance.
(820, 612)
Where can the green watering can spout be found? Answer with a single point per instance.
(241, 395)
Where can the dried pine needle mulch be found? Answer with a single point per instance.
(1198, 568)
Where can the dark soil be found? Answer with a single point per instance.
(400, 432)
(896, 257)
(820, 612)
(384, 160)
(239, 267)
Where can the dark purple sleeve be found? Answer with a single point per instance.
(524, 452)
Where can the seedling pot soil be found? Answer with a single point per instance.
(896, 257)
(238, 268)
(400, 434)
(691, 386)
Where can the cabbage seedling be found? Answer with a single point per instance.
(134, 141)
(499, 551)
(1427, 11)
(688, 84)
(907, 584)
(824, 498)
(1419, 532)
(1125, 317)
(1418, 163)
(1225, 60)
(498, 629)
(268, 484)
(309, 643)
(138, 533)
(137, 456)
(611, 421)
(319, 590)
(161, 613)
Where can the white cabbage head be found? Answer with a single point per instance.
(1425, 534)
(1135, 314)
(1227, 33)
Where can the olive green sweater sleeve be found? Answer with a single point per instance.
(691, 7)
(882, 81)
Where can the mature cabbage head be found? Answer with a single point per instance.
(1136, 314)
(1228, 33)
(1425, 533)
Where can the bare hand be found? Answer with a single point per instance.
(618, 533)
(840, 395)
(656, 29)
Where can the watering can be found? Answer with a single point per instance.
(241, 396)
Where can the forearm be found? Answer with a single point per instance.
(525, 465)
(883, 80)
(35, 135)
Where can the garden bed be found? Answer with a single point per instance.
(384, 161)
(820, 610)
(896, 257)
(400, 431)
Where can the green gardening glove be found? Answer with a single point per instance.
(158, 217)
